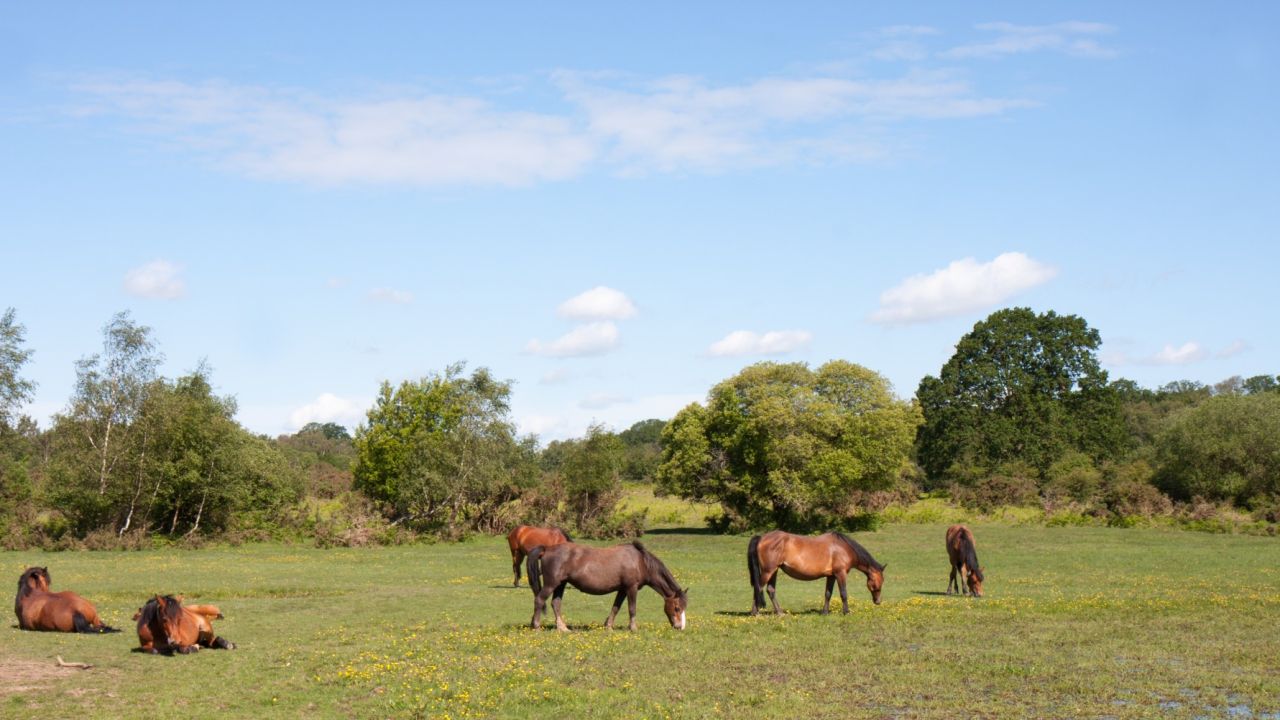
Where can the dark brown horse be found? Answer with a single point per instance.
(808, 558)
(166, 627)
(964, 561)
(527, 537)
(623, 569)
(39, 609)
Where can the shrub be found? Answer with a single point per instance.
(997, 490)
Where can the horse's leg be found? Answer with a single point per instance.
(555, 605)
(826, 598)
(539, 605)
(844, 593)
(517, 556)
(952, 580)
(773, 592)
(617, 605)
(962, 586)
(631, 606)
(221, 643)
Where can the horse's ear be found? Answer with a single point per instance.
(882, 567)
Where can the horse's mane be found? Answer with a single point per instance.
(24, 589)
(666, 584)
(864, 557)
(151, 610)
(565, 534)
(970, 555)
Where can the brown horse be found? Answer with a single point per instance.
(166, 627)
(527, 537)
(39, 609)
(964, 561)
(808, 558)
(623, 569)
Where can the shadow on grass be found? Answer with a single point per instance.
(931, 592)
(681, 531)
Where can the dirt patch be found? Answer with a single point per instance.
(25, 675)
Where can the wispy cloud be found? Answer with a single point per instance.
(961, 287)
(1072, 38)
(157, 280)
(1184, 354)
(606, 122)
(598, 303)
(388, 295)
(558, 376)
(601, 400)
(594, 338)
(1235, 348)
(746, 342)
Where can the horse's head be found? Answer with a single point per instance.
(875, 582)
(33, 578)
(975, 581)
(167, 619)
(674, 606)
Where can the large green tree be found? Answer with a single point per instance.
(441, 453)
(1021, 387)
(784, 445)
(1226, 448)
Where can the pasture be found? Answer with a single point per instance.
(1077, 622)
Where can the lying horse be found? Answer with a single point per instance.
(527, 537)
(165, 626)
(808, 558)
(39, 609)
(623, 569)
(964, 561)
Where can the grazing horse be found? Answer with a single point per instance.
(964, 561)
(39, 609)
(808, 558)
(527, 537)
(165, 626)
(623, 569)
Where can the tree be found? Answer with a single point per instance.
(643, 441)
(441, 452)
(592, 472)
(1020, 387)
(783, 445)
(1226, 448)
(14, 390)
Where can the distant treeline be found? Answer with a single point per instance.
(1022, 414)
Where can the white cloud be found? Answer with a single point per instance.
(158, 280)
(388, 295)
(1185, 354)
(598, 303)
(329, 408)
(1072, 38)
(1234, 349)
(746, 342)
(419, 138)
(961, 287)
(600, 401)
(415, 139)
(594, 338)
(555, 376)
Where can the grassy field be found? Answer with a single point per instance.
(1079, 622)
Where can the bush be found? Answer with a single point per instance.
(997, 490)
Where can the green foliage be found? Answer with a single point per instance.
(592, 478)
(1020, 386)
(1226, 448)
(14, 390)
(643, 450)
(782, 445)
(441, 453)
(324, 455)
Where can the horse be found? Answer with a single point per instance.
(165, 626)
(964, 561)
(808, 558)
(38, 608)
(527, 537)
(623, 569)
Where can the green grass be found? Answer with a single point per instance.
(1079, 622)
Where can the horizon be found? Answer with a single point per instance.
(315, 200)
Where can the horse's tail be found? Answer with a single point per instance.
(753, 569)
(533, 568)
(82, 624)
(565, 534)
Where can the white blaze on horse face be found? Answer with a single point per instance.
(680, 625)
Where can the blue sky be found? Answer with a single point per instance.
(618, 208)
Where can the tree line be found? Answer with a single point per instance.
(1021, 414)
